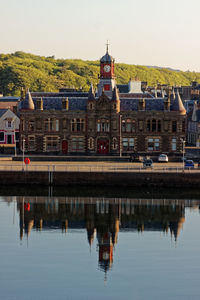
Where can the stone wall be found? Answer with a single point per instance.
(132, 179)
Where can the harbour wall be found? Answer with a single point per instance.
(120, 179)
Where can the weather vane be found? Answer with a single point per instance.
(107, 44)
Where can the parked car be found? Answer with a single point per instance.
(148, 163)
(189, 164)
(163, 158)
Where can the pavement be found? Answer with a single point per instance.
(6, 163)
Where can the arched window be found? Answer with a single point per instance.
(183, 126)
(103, 125)
(114, 144)
(123, 126)
(51, 124)
(174, 126)
(77, 125)
(153, 125)
(159, 126)
(31, 125)
(133, 126)
(173, 144)
(148, 125)
(128, 125)
(73, 125)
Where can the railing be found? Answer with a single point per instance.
(116, 168)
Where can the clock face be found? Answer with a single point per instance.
(106, 68)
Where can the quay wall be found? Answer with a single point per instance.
(121, 179)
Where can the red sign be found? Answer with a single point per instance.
(106, 87)
(26, 160)
(27, 206)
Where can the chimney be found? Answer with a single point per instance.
(39, 104)
(167, 104)
(141, 106)
(65, 103)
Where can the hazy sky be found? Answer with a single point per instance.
(145, 32)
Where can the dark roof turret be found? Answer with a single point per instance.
(107, 58)
(28, 103)
(177, 104)
(115, 95)
(91, 94)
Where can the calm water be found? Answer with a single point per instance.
(99, 248)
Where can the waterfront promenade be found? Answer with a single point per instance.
(97, 173)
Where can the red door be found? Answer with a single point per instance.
(103, 147)
(64, 147)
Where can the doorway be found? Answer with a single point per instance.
(64, 147)
(103, 147)
(9, 139)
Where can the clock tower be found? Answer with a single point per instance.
(107, 78)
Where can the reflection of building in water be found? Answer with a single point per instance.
(101, 217)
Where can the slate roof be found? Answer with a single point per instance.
(56, 103)
(127, 104)
(197, 87)
(123, 88)
(9, 99)
(136, 95)
(2, 112)
(107, 58)
(59, 94)
(198, 115)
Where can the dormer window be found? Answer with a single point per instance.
(9, 124)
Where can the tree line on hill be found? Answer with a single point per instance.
(39, 73)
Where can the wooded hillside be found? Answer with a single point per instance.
(39, 73)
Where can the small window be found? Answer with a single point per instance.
(159, 126)
(183, 126)
(174, 126)
(173, 144)
(9, 124)
(140, 125)
(17, 136)
(153, 125)
(1, 136)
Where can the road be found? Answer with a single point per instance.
(90, 166)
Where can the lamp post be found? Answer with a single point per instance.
(120, 135)
(183, 150)
(14, 120)
(23, 146)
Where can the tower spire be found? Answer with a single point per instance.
(107, 44)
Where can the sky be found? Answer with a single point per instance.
(161, 33)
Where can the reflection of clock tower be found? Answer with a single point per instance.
(107, 78)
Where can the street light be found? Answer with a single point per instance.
(23, 146)
(120, 135)
(14, 120)
(183, 150)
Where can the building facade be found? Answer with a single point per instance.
(108, 122)
(9, 131)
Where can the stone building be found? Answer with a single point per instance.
(108, 122)
(193, 130)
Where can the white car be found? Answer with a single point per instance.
(163, 158)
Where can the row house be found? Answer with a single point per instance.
(9, 131)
